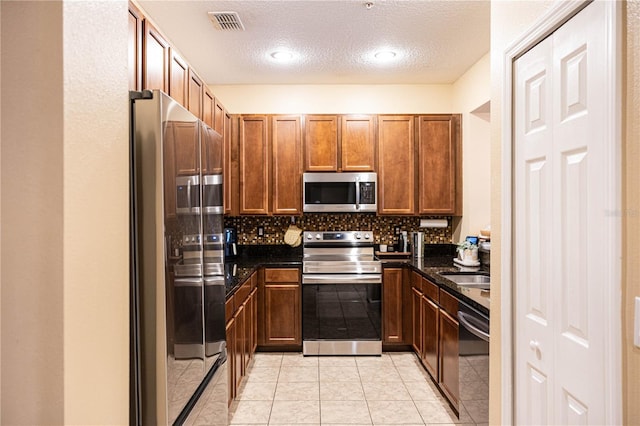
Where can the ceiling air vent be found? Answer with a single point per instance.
(226, 21)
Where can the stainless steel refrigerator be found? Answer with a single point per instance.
(178, 350)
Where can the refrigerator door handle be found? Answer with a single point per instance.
(188, 282)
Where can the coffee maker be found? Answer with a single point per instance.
(230, 243)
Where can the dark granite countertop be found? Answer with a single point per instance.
(438, 258)
(252, 258)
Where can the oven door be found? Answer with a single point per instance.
(341, 314)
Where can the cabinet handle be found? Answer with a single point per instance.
(534, 345)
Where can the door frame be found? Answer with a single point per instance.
(551, 20)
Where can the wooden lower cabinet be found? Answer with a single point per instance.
(241, 317)
(449, 364)
(430, 335)
(231, 355)
(435, 334)
(280, 316)
(392, 325)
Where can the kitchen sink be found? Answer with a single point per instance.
(464, 279)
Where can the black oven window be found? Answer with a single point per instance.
(341, 312)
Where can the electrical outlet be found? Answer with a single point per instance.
(260, 231)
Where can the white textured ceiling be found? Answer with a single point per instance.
(436, 41)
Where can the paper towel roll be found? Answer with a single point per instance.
(433, 223)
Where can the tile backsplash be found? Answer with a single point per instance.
(383, 227)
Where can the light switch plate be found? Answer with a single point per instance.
(636, 328)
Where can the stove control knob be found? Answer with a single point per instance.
(318, 236)
(357, 236)
(309, 236)
(367, 236)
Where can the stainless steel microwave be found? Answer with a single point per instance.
(339, 192)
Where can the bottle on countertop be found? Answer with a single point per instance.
(400, 245)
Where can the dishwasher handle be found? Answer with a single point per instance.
(466, 321)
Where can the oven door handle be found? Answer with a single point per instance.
(464, 317)
(341, 279)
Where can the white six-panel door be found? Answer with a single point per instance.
(560, 195)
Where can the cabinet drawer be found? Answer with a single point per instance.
(449, 303)
(229, 308)
(416, 281)
(242, 293)
(430, 290)
(283, 275)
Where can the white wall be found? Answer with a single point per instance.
(335, 99)
(64, 199)
(470, 92)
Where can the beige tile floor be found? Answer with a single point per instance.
(289, 389)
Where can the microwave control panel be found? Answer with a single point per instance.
(367, 192)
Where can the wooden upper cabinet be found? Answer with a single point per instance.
(321, 143)
(218, 116)
(396, 180)
(357, 138)
(178, 78)
(135, 47)
(254, 165)
(229, 179)
(156, 60)
(212, 146)
(196, 93)
(439, 168)
(208, 108)
(339, 143)
(287, 165)
(185, 137)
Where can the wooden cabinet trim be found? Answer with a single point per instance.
(136, 35)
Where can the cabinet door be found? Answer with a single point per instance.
(208, 109)
(396, 187)
(196, 94)
(135, 48)
(449, 363)
(430, 328)
(287, 165)
(253, 330)
(246, 341)
(156, 60)
(212, 151)
(187, 148)
(178, 78)
(357, 145)
(229, 179)
(321, 143)
(416, 318)
(392, 305)
(254, 165)
(282, 314)
(439, 170)
(231, 358)
(239, 367)
(218, 116)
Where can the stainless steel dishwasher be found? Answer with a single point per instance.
(473, 337)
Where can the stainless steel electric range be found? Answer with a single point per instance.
(341, 294)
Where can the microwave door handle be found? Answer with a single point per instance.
(189, 194)
(357, 195)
